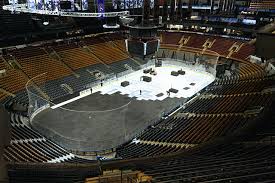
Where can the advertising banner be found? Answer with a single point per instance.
(100, 6)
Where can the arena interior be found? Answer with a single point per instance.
(131, 91)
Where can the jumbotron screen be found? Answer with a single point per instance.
(136, 47)
(152, 47)
(140, 48)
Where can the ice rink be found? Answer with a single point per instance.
(160, 84)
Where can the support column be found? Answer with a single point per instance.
(165, 11)
(220, 4)
(156, 9)
(146, 10)
(190, 3)
(211, 6)
(172, 10)
(226, 5)
(180, 10)
(223, 5)
(118, 4)
(233, 5)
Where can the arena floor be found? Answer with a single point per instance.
(112, 114)
(161, 83)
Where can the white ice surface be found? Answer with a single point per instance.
(160, 83)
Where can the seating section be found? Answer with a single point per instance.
(35, 151)
(22, 132)
(93, 40)
(2, 96)
(136, 150)
(196, 42)
(61, 61)
(238, 50)
(228, 103)
(116, 36)
(171, 38)
(222, 45)
(108, 53)
(48, 173)
(7, 84)
(244, 52)
(193, 130)
(225, 163)
(120, 44)
(177, 134)
(62, 47)
(224, 108)
(247, 86)
(2, 64)
(29, 146)
(250, 70)
(37, 65)
(77, 58)
(27, 52)
(124, 65)
(15, 84)
(79, 160)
